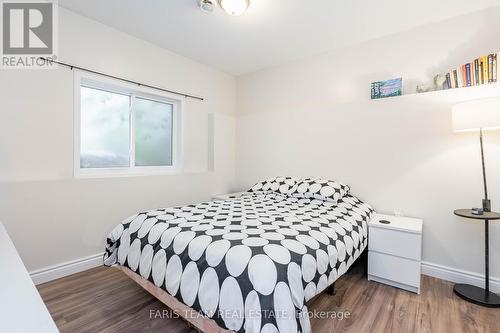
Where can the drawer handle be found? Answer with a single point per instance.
(384, 222)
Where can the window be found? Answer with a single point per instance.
(153, 133)
(121, 129)
(104, 129)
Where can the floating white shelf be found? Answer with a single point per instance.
(455, 95)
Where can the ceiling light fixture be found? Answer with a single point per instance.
(234, 7)
(207, 5)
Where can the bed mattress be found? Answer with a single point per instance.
(249, 263)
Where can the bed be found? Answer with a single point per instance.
(247, 264)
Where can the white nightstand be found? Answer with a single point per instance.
(228, 196)
(395, 251)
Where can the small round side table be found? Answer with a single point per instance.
(475, 294)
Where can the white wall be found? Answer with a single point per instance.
(311, 117)
(52, 217)
(314, 117)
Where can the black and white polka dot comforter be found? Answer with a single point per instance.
(249, 263)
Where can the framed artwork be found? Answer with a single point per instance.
(388, 88)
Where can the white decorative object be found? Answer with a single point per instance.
(395, 251)
(437, 84)
(439, 81)
(422, 88)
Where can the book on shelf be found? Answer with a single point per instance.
(467, 75)
(477, 67)
(448, 81)
(464, 75)
(482, 70)
(485, 69)
(490, 68)
(460, 75)
(455, 78)
(479, 71)
(472, 74)
(495, 67)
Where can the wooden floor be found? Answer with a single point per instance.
(105, 300)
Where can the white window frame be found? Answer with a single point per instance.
(135, 91)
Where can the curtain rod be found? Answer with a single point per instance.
(121, 79)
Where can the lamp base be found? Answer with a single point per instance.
(477, 295)
(487, 205)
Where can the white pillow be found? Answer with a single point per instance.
(317, 188)
(280, 185)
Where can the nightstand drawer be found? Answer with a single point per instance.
(400, 270)
(399, 243)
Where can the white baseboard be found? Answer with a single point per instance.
(459, 276)
(66, 268)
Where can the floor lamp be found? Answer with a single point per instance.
(479, 115)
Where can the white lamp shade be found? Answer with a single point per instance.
(475, 115)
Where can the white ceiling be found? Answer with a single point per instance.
(271, 32)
